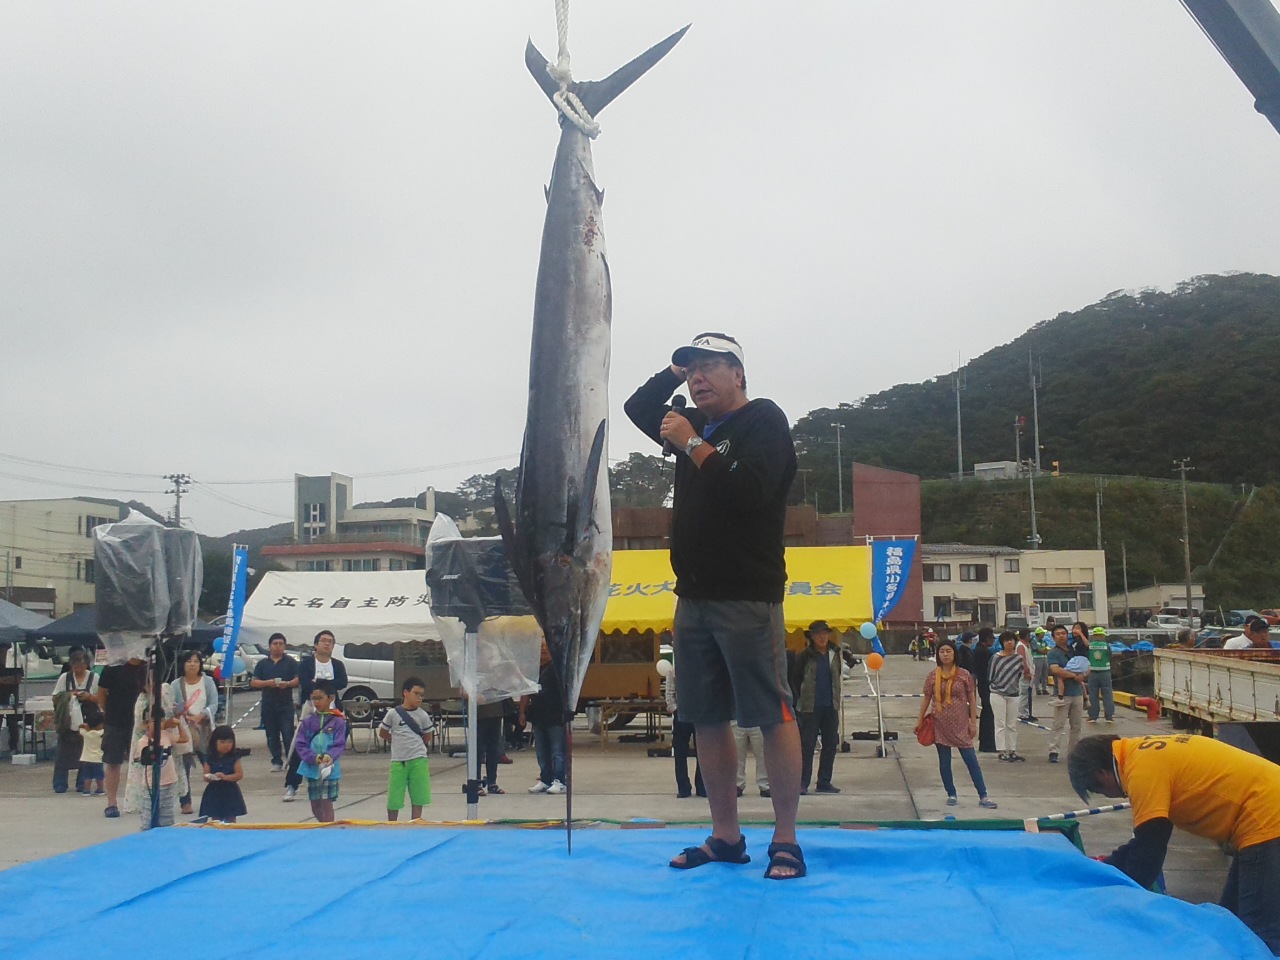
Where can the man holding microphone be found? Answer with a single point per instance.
(735, 462)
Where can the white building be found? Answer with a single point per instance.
(997, 470)
(984, 584)
(46, 552)
(332, 535)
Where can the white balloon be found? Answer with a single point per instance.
(664, 668)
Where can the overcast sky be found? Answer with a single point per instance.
(244, 240)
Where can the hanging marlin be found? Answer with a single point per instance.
(560, 540)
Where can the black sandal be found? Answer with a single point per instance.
(721, 852)
(785, 855)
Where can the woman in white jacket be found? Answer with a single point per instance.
(195, 701)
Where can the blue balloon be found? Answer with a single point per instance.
(238, 666)
(868, 630)
(219, 644)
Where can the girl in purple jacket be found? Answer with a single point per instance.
(319, 743)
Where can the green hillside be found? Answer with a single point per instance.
(1129, 384)
(1231, 532)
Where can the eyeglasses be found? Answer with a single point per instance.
(704, 366)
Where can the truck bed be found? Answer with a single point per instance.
(1220, 686)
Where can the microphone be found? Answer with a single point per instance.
(677, 405)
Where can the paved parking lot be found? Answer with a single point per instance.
(621, 781)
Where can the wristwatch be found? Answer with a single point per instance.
(694, 441)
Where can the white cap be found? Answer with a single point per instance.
(708, 343)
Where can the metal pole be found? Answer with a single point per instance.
(1186, 534)
(1035, 408)
(1035, 535)
(1098, 509)
(469, 654)
(839, 472)
(1017, 444)
(959, 437)
(1124, 566)
(157, 715)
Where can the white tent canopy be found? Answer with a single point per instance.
(384, 607)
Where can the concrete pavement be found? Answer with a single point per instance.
(621, 781)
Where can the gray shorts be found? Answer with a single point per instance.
(115, 745)
(731, 663)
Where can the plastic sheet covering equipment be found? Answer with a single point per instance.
(467, 892)
(473, 587)
(148, 581)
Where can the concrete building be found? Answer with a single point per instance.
(985, 584)
(332, 534)
(886, 505)
(1155, 598)
(996, 470)
(46, 552)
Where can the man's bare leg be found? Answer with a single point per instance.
(113, 783)
(782, 761)
(718, 758)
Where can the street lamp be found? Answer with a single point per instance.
(839, 470)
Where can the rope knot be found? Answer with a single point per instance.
(566, 100)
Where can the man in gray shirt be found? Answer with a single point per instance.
(408, 729)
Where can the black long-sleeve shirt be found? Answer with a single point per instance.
(728, 515)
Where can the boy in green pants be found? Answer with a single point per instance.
(408, 729)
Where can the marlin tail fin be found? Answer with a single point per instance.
(598, 94)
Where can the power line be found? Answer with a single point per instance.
(204, 488)
(73, 486)
(402, 471)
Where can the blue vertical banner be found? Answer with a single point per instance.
(235, 607)
(890, 567)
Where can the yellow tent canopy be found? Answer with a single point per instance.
(824, 583)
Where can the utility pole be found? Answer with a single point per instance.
(1097, 499)
(960, 385)
(1034, 539)
(804, 480)
(839, 470)
(1035, 406)
(1182, 466)
(1018, 424)
(180, 483)
(1124, 566)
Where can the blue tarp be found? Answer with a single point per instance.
(504, 892)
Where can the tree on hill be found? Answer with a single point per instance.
(1129, 384)
(217, 580)
(642, 480)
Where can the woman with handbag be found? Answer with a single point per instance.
(76, 686)
(949, 719)
(195, 698)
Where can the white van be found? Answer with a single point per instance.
(371, 676)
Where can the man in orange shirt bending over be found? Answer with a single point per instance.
(1205, 787)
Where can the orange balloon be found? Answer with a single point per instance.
(874, 661)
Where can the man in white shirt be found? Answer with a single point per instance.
(1257, 633)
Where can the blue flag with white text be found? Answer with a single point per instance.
(890, 567)
(235, 608)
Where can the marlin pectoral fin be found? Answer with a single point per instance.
(598, 94)
(586, 505)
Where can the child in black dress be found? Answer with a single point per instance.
(222, 799)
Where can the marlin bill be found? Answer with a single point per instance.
(560, 537)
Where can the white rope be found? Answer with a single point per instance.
(565, 100)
